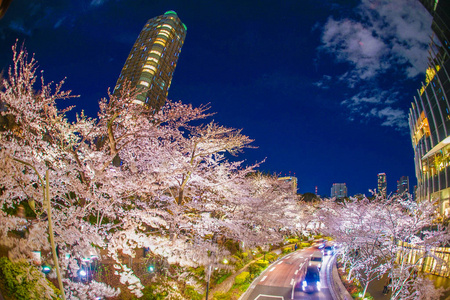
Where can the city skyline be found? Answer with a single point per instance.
(323, 89)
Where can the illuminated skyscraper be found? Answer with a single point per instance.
(153, 58)
(339, 190)
(429, 116)
(403, 185)
(382, 184)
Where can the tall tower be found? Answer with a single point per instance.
(382, 184)
(153, 58)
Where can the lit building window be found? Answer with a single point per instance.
(145, 83)
(157, 52)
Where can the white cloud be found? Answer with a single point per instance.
(353, 43)
(386, 37)
(324, 83)
(391, 117)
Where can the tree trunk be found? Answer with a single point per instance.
(180, 196)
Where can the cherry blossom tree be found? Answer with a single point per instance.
(373, 235)
(130, 178)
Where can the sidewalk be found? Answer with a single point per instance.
(376, 287)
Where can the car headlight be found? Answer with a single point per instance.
(318, 285)
(304, 283)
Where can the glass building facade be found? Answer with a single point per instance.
(153, 58)
(429, 116)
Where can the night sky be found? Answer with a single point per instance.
(323, 87)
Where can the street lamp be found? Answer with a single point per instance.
(46, 269)
(82, 273)
(207, 282)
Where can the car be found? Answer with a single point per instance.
(316, 259)
(328, 250)
(310, 283)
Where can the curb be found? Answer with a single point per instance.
(337, 288)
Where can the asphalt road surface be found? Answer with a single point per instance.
(277, 282)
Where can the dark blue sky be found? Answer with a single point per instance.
(323, 87)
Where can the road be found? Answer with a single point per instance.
(278, 280)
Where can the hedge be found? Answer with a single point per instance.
(242, 278)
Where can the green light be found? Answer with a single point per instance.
(170, 12)
(46, 269)
(151, 268)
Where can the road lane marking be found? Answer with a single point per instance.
(296, 271)
(292, 281)
(280, 262)
(272, 269)
(264, 278)
(269, 296)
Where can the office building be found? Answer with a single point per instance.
(382, 184)
(429, 116)
(339, 190)
(152, 60)
(429, 123)
(403, 185)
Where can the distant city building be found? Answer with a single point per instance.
(153, 58)
(429, 116)
(382, 184)
(339, 190)
(292, 180)
(403, 185)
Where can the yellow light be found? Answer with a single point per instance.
(145, 83)
(157, 52)
(152, 59)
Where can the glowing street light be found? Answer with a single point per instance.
(151, 268)
(46, 269)
(82, 273)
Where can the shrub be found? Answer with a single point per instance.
(24, 281)
(271, 256)
(192, 294)
(221, 296)
(243, 287)
(287, 250)
(292, 240)
(255, 269)
(241, 278)
(222, 276)
(305, 244)
(151, 294)
(262, 263)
